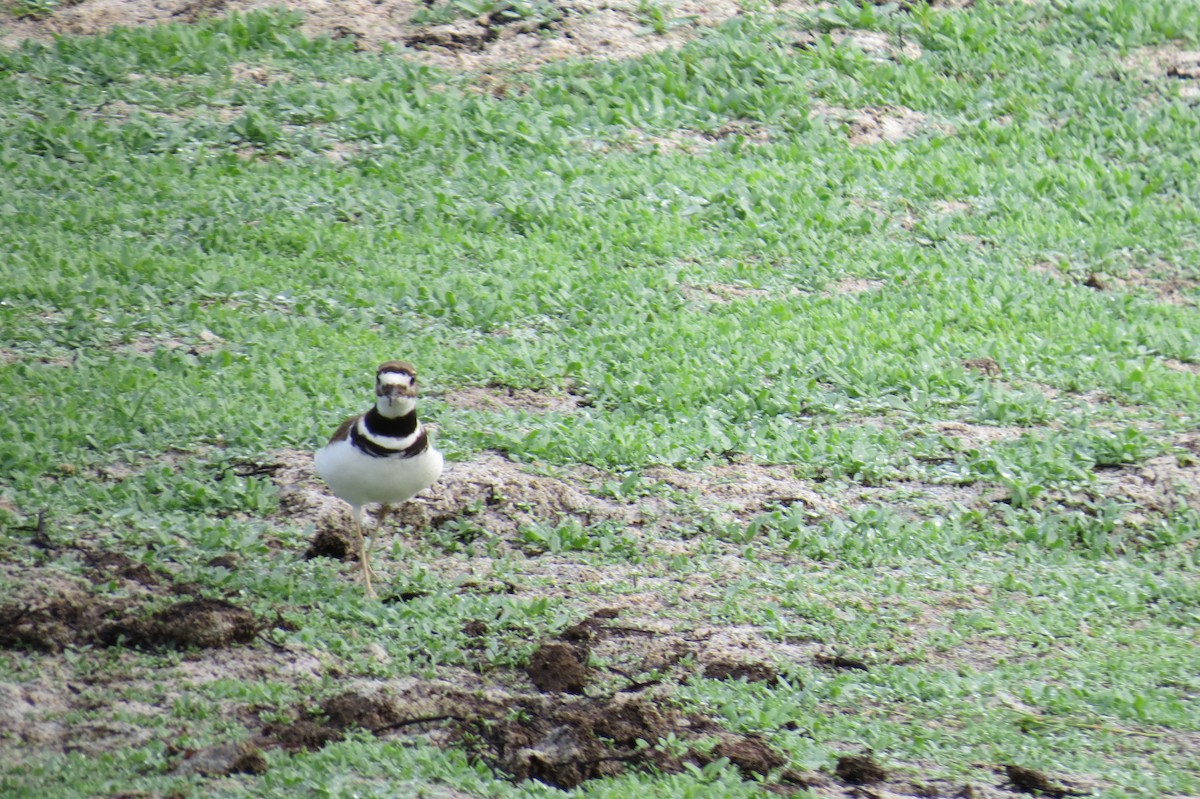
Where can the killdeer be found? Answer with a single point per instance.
(383, 455)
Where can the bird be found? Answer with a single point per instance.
(382, 456)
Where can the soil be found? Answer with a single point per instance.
(559, 667)
(572, 712)
(558, 737)
(860, 770)
(571, 688)
(577, 711)
(56, 614)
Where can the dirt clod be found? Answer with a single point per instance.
(223, 759)
(199, 623)
(1029, 780)
(51, 627)
(985, 366)
(351, 709)
(228, 561)
(841, 662)
(588, 631)
(110, 564)
(558, 667)
(302, 734)
(564, 744)
(860, 770)
(751, 754)
(462, 35)
(475, 628)
(330, 544)
(733, 670)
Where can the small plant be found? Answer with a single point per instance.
(33, 9)
(541, 13)
(659, 17)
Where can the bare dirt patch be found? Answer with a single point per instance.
(1162, 280)
(852, 285)
(725, 293)
(204, 343)
(112, 605)
(977, 436)
(1182, 366)
(741, 491)
(589, 29)
(1168, 63)
(578, 29)
(952, 207)
(872, 125)
(1161, 484)
(747, 131)
(501, 398)
(873, 43)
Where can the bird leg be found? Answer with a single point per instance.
(363, 554)
(367, 552)
(384, 510)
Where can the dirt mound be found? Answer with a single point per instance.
(556, 738)
(558, 667)
(52, 626)
(872, 125)
(565, 738)
(51, 612)
(194, 623)
(221, 760)
(58, 624)
(860, 770)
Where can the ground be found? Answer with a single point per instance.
(591, 696)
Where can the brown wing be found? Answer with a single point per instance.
(343, 431)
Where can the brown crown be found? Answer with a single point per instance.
(404, 367)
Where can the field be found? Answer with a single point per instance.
(820, 386)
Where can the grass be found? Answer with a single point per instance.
(203, 269)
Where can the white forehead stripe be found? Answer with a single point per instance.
(395, 379)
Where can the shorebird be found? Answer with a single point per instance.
(383, 455)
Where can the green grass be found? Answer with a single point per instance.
(197, 263)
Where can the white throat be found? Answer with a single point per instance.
(395, 407)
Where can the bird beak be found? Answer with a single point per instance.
(395, 391)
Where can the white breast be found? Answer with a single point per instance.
(361, 479)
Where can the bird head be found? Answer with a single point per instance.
(395, 388)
